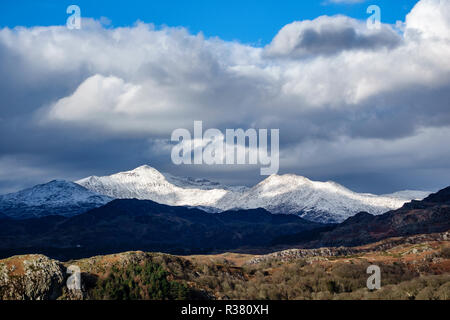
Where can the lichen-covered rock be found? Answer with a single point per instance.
(30, 277)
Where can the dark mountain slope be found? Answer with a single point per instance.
(123, 225)
(427, 216)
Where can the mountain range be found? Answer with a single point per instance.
(430, 215)
(131, 224)
(326, 202)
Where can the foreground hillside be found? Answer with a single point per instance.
(416, 267)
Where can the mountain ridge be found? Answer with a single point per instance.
(129, 224)
(57, 197)
(132, 224)
(430, 215)
(326, 202)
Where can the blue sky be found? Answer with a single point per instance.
(250, 21)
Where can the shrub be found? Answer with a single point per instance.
(445, 252)
(147, 281)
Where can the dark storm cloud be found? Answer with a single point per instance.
(329, 41)
(329, 36)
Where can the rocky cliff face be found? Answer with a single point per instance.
(31, 277)
(380, 246)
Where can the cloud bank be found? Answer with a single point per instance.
(350, 103)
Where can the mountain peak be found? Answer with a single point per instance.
(144, 168)
(143, 171)
(285, 179)
(58, 197)
(293, 181)
(440, 196)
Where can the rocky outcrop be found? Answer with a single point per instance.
(30, 277)
(304, 253)
(381, 246)
(432, 215)
(37, 277)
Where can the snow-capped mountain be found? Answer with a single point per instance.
(316, 201)
(288, 194)
(147, 183)
(56, 197)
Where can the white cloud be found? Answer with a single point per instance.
(113, 105)
(156, 80)
(146, 81)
